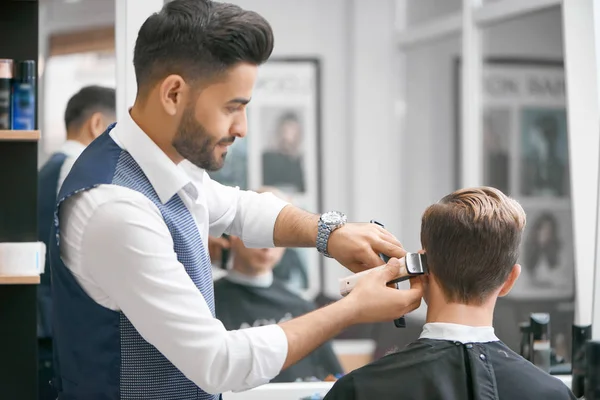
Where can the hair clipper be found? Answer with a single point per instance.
(415, 264)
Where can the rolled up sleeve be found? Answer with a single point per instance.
(268, 347)
(246, 214)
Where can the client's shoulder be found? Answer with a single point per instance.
(399, 369)
(420, 352)
(514, 371)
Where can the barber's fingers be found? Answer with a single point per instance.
(389, 247)
(406, 301)
(414, 305)
(392, 239)
(416, 283)
(394, 269)
(371, 259)
(384, 233)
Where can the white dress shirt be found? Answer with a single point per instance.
(458, 333)
(72, 149)
(117, 245)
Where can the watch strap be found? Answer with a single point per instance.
(323, 234)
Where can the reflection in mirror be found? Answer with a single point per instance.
(77, 48)
(526, 156)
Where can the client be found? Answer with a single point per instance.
(248, 295)
(471, 238)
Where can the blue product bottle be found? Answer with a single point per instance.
(23, 96)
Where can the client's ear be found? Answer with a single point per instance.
(510, 281)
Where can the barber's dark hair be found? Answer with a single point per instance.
(472, 239)
(198, 39)
(89, 100)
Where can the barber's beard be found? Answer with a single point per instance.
(195, 144)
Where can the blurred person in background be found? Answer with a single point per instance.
(87, 115)
(249, 296)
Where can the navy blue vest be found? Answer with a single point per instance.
(98, 352)
(47, 190)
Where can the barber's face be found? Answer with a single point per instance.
(210, 125)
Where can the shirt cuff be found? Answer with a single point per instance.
(269, 347)
(259, 222)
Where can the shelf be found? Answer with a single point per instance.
(19, 280)
(19, 135)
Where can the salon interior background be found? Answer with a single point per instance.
(388, 116)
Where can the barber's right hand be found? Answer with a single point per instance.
(374, 301)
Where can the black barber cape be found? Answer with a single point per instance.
(241, 306)
(430, 369)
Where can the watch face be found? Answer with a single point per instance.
(333, 218)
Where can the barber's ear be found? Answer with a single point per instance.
(510, 281)
(172, 92)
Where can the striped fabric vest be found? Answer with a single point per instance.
(98, 352)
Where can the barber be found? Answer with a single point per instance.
(131, 275)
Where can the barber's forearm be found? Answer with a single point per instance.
(295, 227)
(306, 333)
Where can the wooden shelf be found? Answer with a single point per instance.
(19, 280)
(19, 135)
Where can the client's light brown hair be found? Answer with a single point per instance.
(472, 239)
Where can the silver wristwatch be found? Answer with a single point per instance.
(329, 222)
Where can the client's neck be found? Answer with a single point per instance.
(246, 277)
(240, 267)
(439, 310)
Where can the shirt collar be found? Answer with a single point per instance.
(166, 177)
(72, 148)
(458, 333)
(263, 281)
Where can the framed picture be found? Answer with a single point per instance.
(282, 150)
(525, 153)
(544, 152)
(547, 257)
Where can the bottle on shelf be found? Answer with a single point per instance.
(541, 351)
(525, 350)
(23, 96)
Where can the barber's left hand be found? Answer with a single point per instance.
(357, 246)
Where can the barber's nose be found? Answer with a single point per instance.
(240, 127)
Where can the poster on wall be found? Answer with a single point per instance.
(282, 151)
(547, 257)
(544, 152)
(525, 153)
